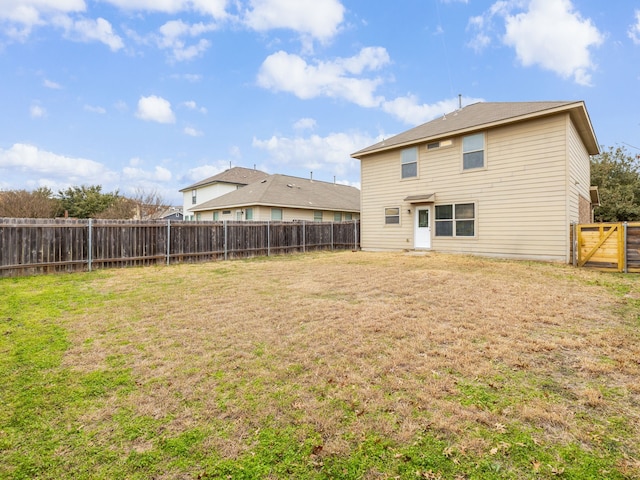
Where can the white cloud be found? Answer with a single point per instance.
(550, 34)
(634, 30)
(171, 38)
(155, 109)
(192, 105)
(36, 111)
(192, 132)
(411, 112)
(319, 19)
(23, 15)
(305, 124)
(204, 171)
(330, 153)
(30, 160)
(50, 84)
(291, 73)
(99, 30)
(555, 37)
(94, 109)
(158, 174)
(215, 8)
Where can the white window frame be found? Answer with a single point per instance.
(468, 150)
(408, 157)
(276, 210)
(391, 213)
(456, 221)
(317, 215)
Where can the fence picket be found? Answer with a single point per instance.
(34, 246)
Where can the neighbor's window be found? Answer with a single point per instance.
(456, 220)
(216, 216)
(409, 161)
(317, 216)
(194, 194)
(392, 216)
(226, 212)
(337, 216)
(348, 216)
(473, 151)
(276, 214)
(248, 214)
(198, 216)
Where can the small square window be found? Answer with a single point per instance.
(337, 216)
(317, 216)
(276, 214)
(392, 216)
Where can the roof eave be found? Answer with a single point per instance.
(585, 132)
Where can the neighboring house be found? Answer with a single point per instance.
(495, 179)
(212, 187)
(170, 213)
(281, 197)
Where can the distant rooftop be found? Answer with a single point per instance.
(293, 192)
(235, 176)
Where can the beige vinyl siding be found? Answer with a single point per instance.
(520, 197)
(579, 173)
(381, 174)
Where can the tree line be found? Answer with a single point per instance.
(79, 202)
(616, 173)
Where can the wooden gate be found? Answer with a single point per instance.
(610, 246)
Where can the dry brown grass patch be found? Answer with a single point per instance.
(351, 343)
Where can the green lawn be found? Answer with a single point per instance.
(327, 365)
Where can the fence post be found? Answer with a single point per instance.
(624, 247)
(225, 238)
(168, 241)
(355, 235)
(574, 231)
(90, 244)
(303, 238)
(332, 224)
(268, 238)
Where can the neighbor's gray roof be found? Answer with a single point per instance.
(488, 114)
(235, 175)
(293, 192)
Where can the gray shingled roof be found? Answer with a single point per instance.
(293, 192)
(235, 175)
(487, 114)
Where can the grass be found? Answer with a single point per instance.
(329, 365)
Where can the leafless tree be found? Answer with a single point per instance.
(39, 203)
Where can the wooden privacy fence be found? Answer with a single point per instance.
(610, 246)
(32, 246)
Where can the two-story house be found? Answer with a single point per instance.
(495, 179)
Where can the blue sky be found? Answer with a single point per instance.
(153, 95)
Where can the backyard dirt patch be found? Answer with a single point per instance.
(348, 343)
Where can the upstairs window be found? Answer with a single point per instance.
(194, 194)
(409, 162)
(473, 151)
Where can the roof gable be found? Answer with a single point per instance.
(484, 115)
(235, 175)
(286, 191)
